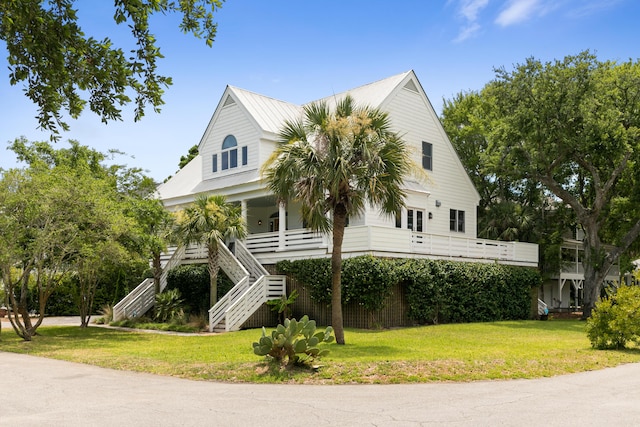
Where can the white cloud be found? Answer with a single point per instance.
(517, 11)
(467, 32)
(469, 10)
(591, 7)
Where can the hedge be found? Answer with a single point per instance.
(436, 291)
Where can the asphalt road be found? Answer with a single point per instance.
(44, 392)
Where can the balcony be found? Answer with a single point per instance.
(389, 242)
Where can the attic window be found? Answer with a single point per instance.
(228, 101)
(411, 85)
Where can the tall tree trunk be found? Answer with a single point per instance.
(339, 222)
(213, 267)
(595, 266)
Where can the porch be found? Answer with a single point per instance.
(564, 290)
(269, 248)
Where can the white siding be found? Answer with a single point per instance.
(230, 120)
(414, 118)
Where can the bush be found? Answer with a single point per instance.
(313, 274)
(281, 305)
(366, 280)
(294, 342)
(615, 320)
(456, 292)
(168, 306)
(192, 280)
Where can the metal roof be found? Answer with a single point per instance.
(270, 113)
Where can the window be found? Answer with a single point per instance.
(427, 156)
(229, 153)
(214, 163)
(415, 220)
(456, 220)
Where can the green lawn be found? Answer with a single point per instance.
(462, 352)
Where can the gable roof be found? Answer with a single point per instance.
(269, 113)
(183, 182)
(372, 94)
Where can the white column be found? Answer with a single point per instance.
(282, 221)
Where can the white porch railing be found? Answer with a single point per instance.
(239, 275)
(142, 298)
(234, 308)
(298, 239)
(137, 302)
(174, 261)
(250, 262)
(451, 246)
(396, 242)
(237, 305)
(231, 265)
(266, 288)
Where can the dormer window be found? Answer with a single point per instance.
(229, 155)
(229, 152)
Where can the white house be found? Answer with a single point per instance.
(438, 222)
(564, 290)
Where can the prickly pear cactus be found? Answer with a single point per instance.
(294, 342)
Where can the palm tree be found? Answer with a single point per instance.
(208, 221)
(336, 162)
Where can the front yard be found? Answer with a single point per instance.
(460, 352)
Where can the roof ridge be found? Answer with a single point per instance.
(376, 82)
(236, 88)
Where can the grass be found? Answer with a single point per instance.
(463, 352)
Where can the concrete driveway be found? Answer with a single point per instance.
(44, 392)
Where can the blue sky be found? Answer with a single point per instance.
(301, 51)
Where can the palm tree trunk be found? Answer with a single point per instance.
(213, 267)
(339, 222)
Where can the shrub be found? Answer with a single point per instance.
(436, 291)
(168, 306)
(455, 292)
(313, 274)
(294, 342)
(615, 320)
(192, 280)
(281, 305)
(106, 313)
(366, 280)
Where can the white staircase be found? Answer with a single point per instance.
(254, 286)
(142, 298)
(234, 308)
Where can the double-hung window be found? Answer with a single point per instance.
(456, 220)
